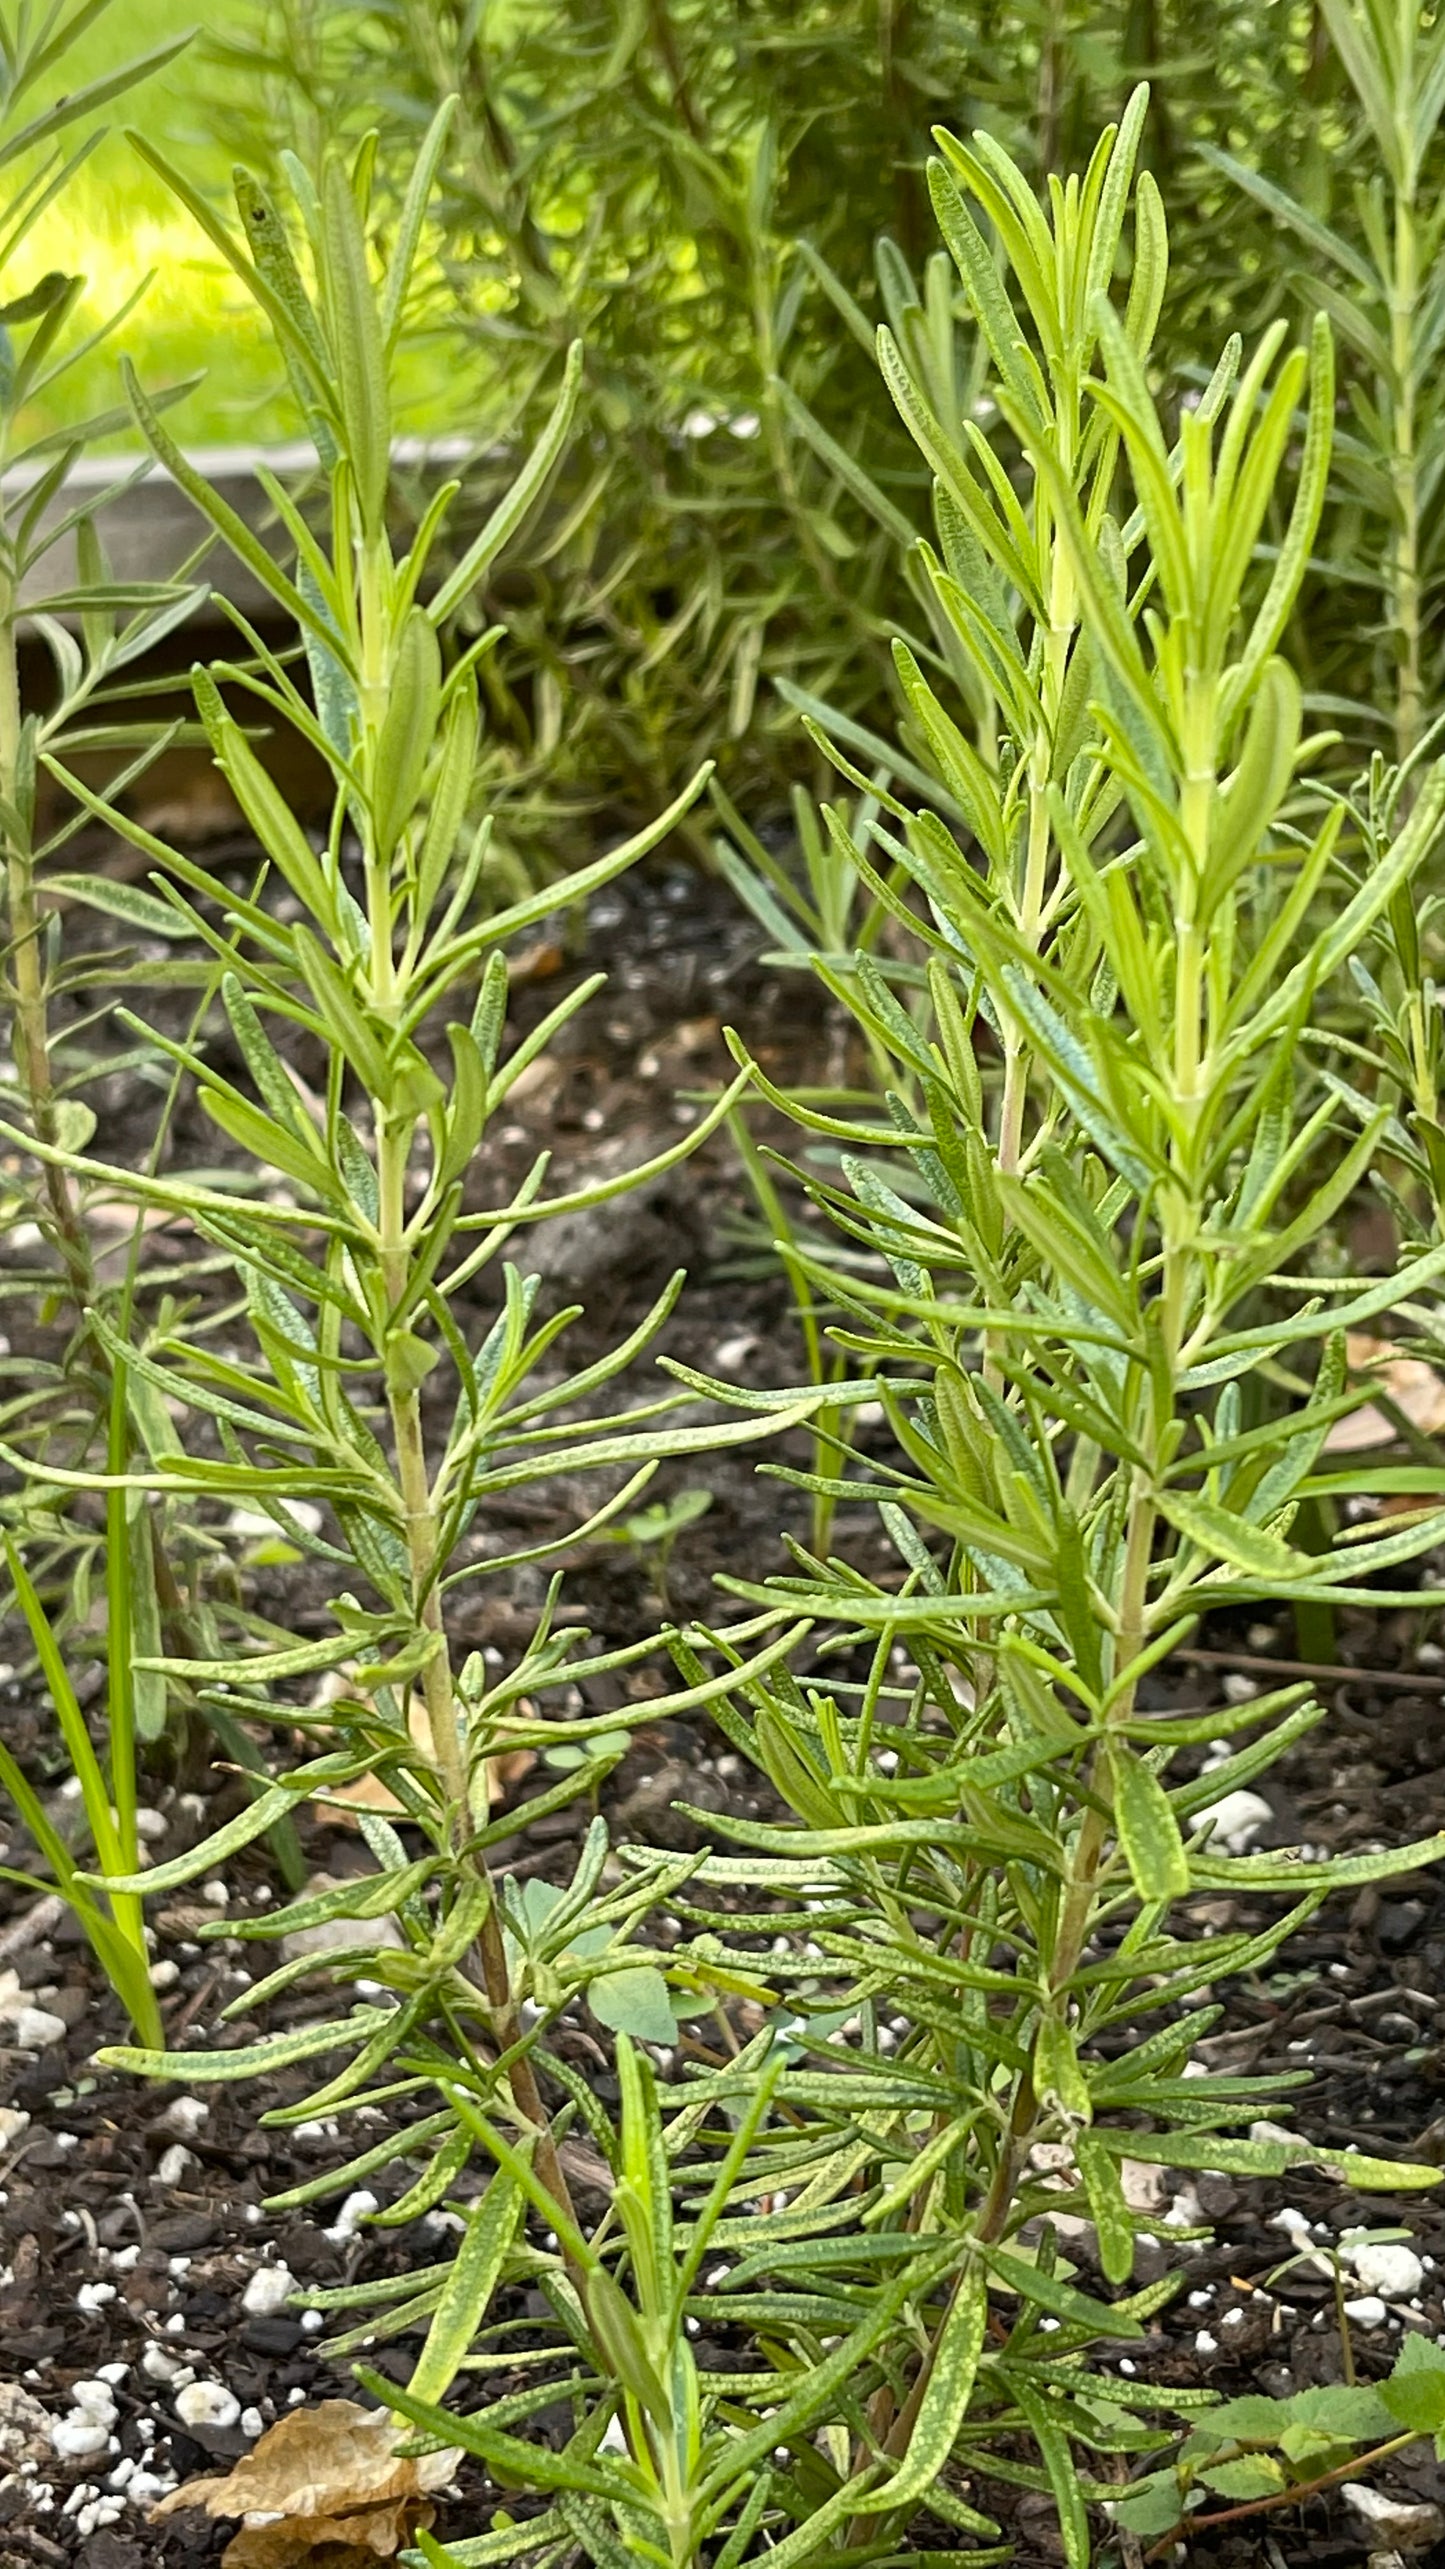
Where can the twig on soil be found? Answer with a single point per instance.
(31, 1925)
(1404, 1681)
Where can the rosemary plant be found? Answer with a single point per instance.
(964, 1981)
(1108, 1168)
(63, 1398)
(353, 1250)
(81, 623)
(1086, 1290)
(1085, 1303)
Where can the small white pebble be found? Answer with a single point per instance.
(731, 1354)
(216, 1892)
(207, 2404)
(100, 2512)
(164, 1975)
(1383, 2267)
(185, 2115)
(96, 2400)
(112, 2373)
(313, 2321)
(159, 2365)
(251, 2423)
(92, 2298)
(349, 2219)
(1367, 2310)
(1127, 2364)
(150, 1824)
(1236, 1819)
(144, 2487)
(176, 2164)
(1204, 2344)
(78, 2439)
(268, 2291)
(36, 2029)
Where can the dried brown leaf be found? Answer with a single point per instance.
(1412, 1387)
(372, 1793)
(330, 2542)
(322, 2481)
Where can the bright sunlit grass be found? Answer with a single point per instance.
(117, 225)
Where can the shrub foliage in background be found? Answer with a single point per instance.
(725, 202)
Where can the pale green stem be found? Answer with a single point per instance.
(31, 1030)
(1033, 898)
(1404, 472)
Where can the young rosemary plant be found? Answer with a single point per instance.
(354, 1245)
(1083, 1295)
(63, 1400)
(81, 623)
(1109, 1368)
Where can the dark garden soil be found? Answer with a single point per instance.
(131, 2219)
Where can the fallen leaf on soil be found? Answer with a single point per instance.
(1413, 1387)
(370, 1793)
(327, 2476)
(24, 2428)
(536, 963)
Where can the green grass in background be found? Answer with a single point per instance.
(117, 225)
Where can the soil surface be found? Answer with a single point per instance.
(131, 2217)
